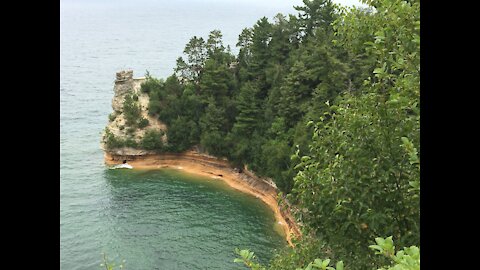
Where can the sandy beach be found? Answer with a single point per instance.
(194, 163)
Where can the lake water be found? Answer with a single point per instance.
(152, 219)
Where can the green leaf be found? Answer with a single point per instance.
(317, 262)
(378, 71)
(325, 263)
(380, 241)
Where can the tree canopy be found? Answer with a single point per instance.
(326, 103)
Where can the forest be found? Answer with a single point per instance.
(326, 103)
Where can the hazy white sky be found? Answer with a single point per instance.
(349, 2)
(265, 2)
(294, 2)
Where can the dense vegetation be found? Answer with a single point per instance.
(326, 103)
(405, 259)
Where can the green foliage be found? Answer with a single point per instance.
(213, 129)
(319, 264)
(112, 117)
(406, 259)
(130, 142)
(131, 130)
(111, 141)
(151, 85)
(182, 134)
(196, 54)
(152, 140)
(143, 123)
(326, 103)
(305, 251)
(215, 80)
(131, 111)
(248, 259)
(361, 176)
(316, 14)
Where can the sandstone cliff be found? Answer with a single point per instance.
(126, 85)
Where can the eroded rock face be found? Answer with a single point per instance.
(125, 85)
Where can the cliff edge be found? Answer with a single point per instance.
(123, 134)
(129, 124)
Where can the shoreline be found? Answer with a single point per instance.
(194, 163)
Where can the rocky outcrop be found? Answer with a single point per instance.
(125, 85)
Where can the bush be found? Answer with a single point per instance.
(131, 143)
(130, 130)
(143, 123)
(406, 259)
(112, 117)
(111, 141)
(182, 134)
(152, 140)
(131, 110)
(151, 85)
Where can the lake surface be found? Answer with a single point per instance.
(152, 219)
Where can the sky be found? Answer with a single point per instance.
(266, 2)
(349, 2)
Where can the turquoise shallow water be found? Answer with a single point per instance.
(164, 220)
(152, 219)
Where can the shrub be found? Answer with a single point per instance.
(406, 259)
(131, 143)
(152, 140)
(111, 141)
(182, 134)
(131, 110)
(112, 117)
(151, 85)
(143, 123)
(130, 130)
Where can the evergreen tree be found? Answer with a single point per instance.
(196, 53)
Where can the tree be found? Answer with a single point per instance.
(214, 43)
(363, 168)
(213, 126)
(261, 37)
(182, 134)
(152, 140)
(316, 14)
(196, 53)
(215, 81)
(317, 76)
